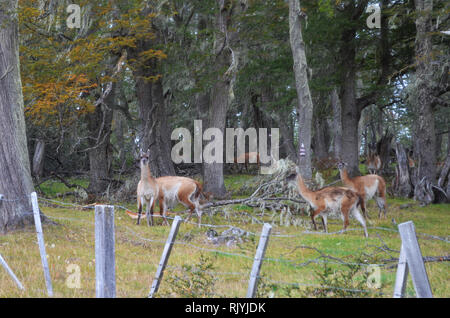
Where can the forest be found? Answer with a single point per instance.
(88, 88)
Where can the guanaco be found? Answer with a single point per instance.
(373, 163)
(174, 189)
(147, 189)
(331, 200)
(248, 157)
(368, 187)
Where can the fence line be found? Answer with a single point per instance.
(84, 207)
(259, 257)
(318, 260)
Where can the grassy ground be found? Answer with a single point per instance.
(292, 257)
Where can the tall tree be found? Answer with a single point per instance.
(305, 106)
(144, 60)
(350, 110)
(213, 172)
(15, 176)
(424, 124)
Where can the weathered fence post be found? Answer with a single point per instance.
(40, 237)
(402, 275)
(11, 273)
(259, 256)
(165, 256)
(414, 262)
(105, 265)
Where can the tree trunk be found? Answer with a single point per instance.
(305, 106)
(38, 158)
(337, 124)
(321, 139)
(154, 131)
(99, 125)
(287, 140)
(160, 151)
(444, 176)
(384, 150)
(213, 172)
(424, 120)
(403, 187)
(119, 130)
(15, 173)
(350, 113)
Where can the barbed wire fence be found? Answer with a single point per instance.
(321, 259)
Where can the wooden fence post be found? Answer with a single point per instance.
(414, 260)
(40, 237)
(259, 256)
(165, 256)
(402, 275)
(105, 267)
(11, 273)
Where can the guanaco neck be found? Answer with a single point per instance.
(302, 188)
(146, 174)
(345, 177)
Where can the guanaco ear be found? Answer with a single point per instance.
(148, 152)
(141, 153)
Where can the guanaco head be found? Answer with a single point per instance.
(341, 165)
(144, 158)
(292, 177)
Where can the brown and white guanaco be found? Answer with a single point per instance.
(368, 187)
(174, 189)
(147, 189)
(168, 190)
(331, 200)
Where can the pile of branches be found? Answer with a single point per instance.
(271, 192)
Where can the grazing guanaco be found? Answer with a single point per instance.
(373, 163)
(174, 189)
(147, 189)
(368, 187)
(248, 157)
(331, 200)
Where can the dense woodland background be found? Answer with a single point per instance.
(85, 100)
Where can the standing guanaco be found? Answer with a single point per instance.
(147, 189)
(331, 200)
(368, 187)
(174, 189)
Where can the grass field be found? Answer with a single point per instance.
(292, 267)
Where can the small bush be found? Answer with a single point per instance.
(195, 281)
